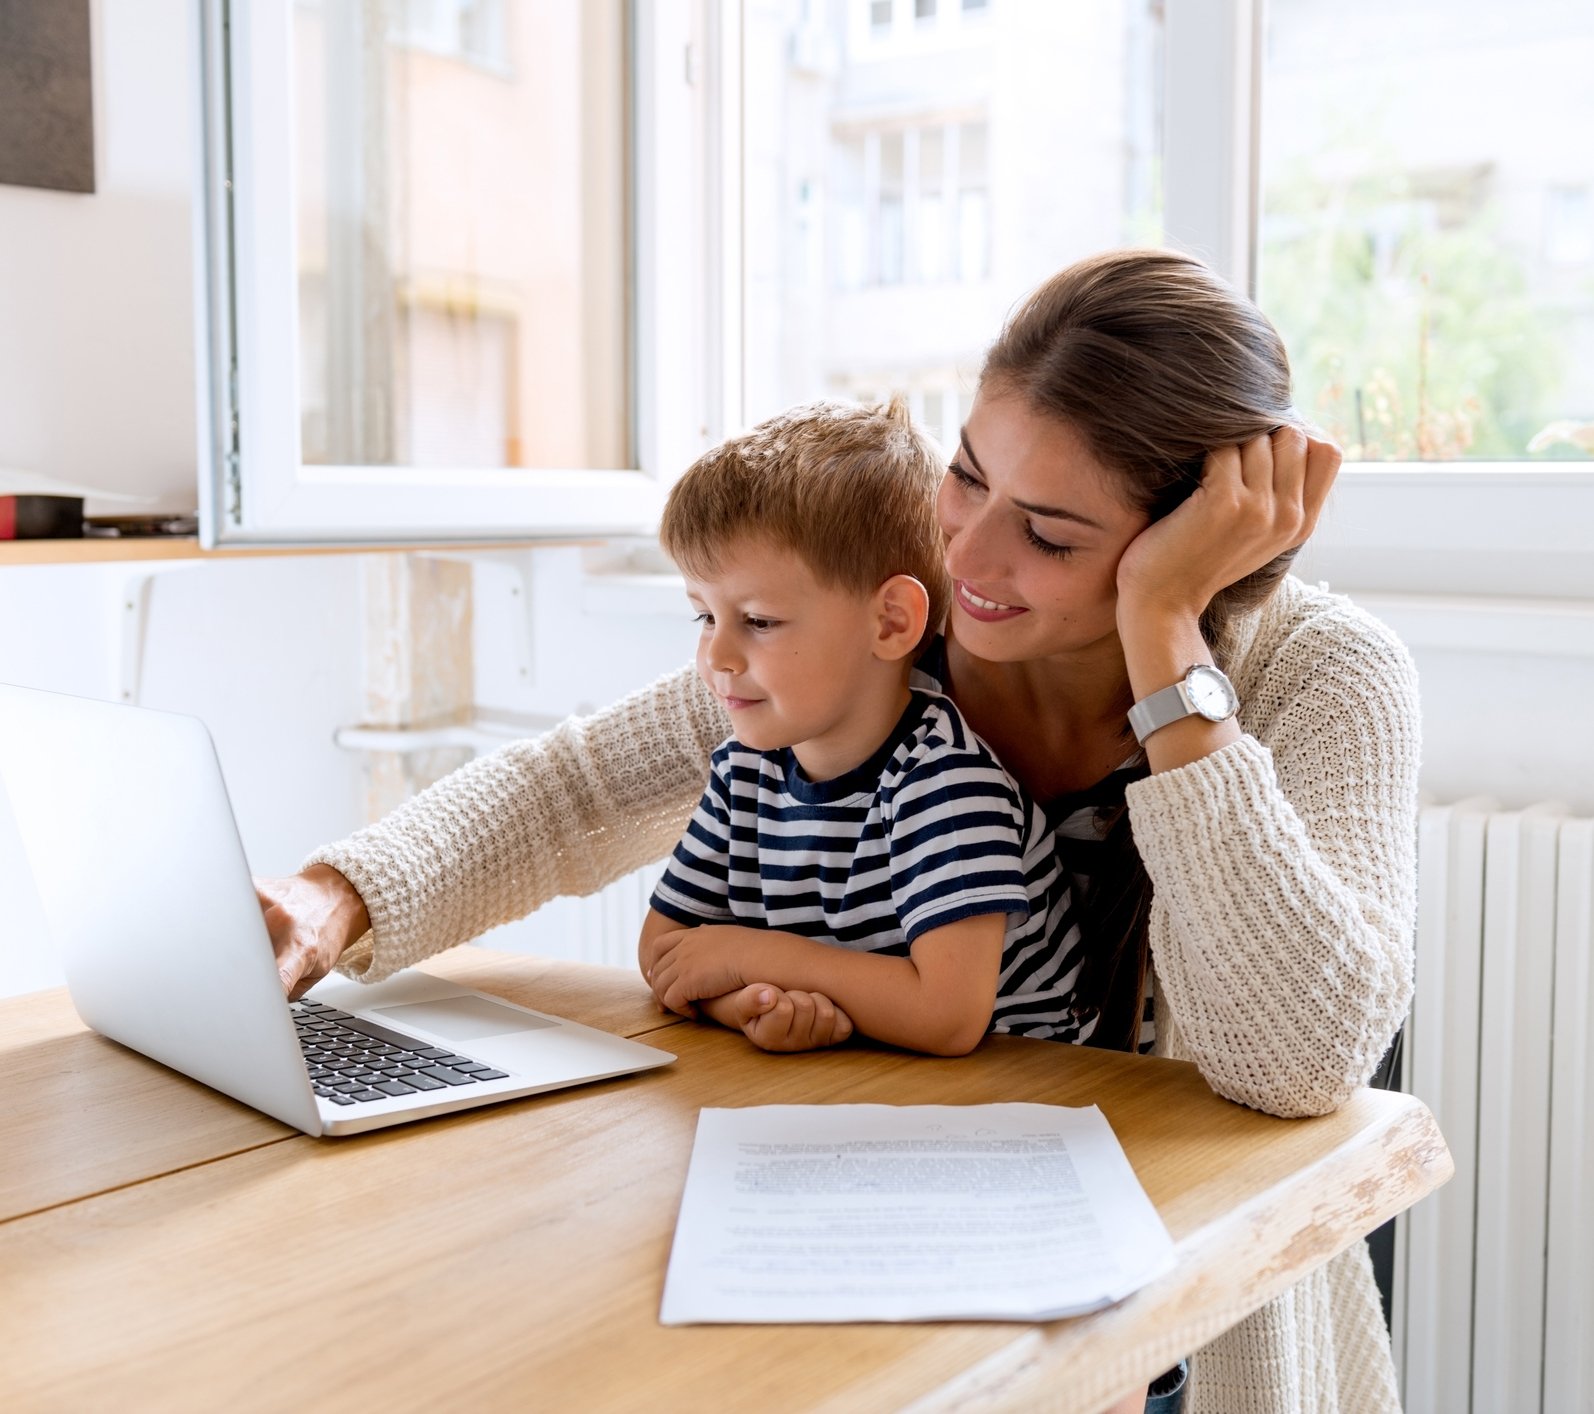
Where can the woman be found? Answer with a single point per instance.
(1253, 873)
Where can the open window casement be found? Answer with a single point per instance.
(443, 244)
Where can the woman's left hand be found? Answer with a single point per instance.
(1255, 501)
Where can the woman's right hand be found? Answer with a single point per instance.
(1254, 502)
(312, 918)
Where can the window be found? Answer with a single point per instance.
(433, 314)
(475, 31)
(1569, 225)
(889, 234)
(736, 206)
(1423, 275)
(973, 210)
(946, 188)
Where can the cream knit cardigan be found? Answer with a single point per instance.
(1283, 871)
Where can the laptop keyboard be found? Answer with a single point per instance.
(353, 1061)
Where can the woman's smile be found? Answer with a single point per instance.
(986, 610)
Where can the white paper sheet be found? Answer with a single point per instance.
(815, 1213)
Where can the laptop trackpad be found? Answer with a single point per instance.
(464, 1018)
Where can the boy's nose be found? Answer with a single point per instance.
(722, 656)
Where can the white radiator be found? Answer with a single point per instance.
(1494, 1274)
(613, 917)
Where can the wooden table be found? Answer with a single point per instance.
(164, 1248)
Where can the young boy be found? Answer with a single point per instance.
(857, 844)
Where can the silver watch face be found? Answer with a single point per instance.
(1211, 694)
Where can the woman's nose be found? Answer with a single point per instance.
(971, 551)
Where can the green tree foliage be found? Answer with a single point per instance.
(1409, 322)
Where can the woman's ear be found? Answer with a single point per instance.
(902, 606)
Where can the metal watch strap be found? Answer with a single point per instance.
(1157, 711)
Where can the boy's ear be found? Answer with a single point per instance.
(903, 607)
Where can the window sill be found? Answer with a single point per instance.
(114, 550)
(1486, 529)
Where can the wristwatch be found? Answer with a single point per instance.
(1203, 691)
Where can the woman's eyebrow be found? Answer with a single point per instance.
(1047, 512)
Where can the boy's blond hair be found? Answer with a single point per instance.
(850, 490)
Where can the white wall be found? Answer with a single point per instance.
(1506, 679)
(96, 291)
(267, 652)
(589, 645)
(97, 385)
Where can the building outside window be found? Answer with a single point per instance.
(459, 284)
(961, 153)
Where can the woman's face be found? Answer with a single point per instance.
(1034, 529)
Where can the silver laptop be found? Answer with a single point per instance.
(125, 820)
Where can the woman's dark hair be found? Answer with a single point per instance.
(1155, 361)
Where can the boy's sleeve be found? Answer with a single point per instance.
(695, 887)
(956, 839)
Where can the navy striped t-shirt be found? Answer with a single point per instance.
(928, 831)
(1077, 823)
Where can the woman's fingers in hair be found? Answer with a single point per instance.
(1323, 460)
(1276, 482)
(1257, 463)
(1223, 474)
(1288, 448)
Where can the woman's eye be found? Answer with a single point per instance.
(1046, 547)
(956, 470)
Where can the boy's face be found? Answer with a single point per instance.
(791, 658)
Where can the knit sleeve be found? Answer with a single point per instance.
(1283, 874)
(565, 813)
(696, 887)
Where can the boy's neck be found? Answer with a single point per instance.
(867, 725)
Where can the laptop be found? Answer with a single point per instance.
(124, 817)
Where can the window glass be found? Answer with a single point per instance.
(461, 238)
(849, 243)
(953, 165)
(1427, 242)
(930, 214)
(888, 210)
(973, 202)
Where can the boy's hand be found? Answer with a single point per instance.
(685, 965)
(777, 1020)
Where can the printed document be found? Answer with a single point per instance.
(812, 1213)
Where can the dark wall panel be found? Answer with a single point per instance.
(46, 95)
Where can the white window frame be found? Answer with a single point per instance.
(254, 488)
(1454, 528)
(1457, 527)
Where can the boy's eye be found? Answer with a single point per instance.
(760, 625)
(705, 618)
